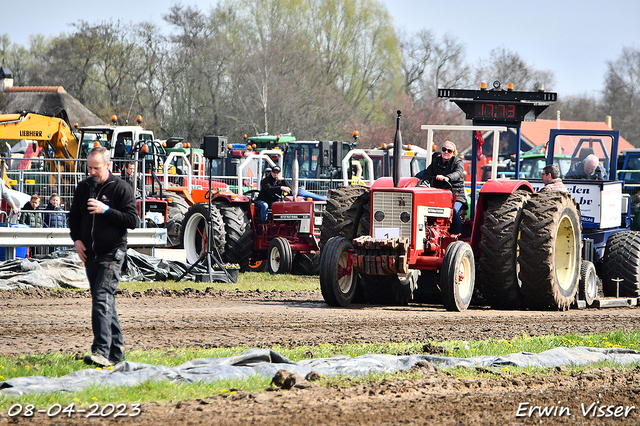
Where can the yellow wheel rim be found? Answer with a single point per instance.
(565, 255)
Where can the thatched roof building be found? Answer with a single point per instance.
(48, 100)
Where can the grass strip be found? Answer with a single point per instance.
(56, 365)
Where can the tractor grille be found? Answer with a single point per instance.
(392, 204)
(318, 211)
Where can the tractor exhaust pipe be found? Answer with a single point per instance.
(295, 174)
(397, 153)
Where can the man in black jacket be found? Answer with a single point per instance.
(447, 172)
(272, 188)
(102, 210)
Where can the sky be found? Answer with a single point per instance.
(574, 39)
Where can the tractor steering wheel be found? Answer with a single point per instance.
(425, 182)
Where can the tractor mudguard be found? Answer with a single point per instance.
(492, 187)
(387, 182)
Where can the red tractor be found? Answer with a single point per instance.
(392, 243)
(287, 242)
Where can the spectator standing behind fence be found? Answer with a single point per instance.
(4, 194)
(29, 216)
(52, 219)
(127, 174)
(32, 218)
(551, 179)
(103, 208)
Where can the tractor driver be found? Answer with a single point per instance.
(272, 188)
(447, 172)
(589, 168)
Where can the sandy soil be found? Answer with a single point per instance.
(44, 321)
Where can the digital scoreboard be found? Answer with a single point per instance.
(499, 106)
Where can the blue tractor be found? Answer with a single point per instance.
(610, 248)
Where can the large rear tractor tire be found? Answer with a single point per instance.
(345, 215)
(497, 274)
(389, 289)
(550, 255)
(238, 248)
(338, 285)
(176, 212)
(279, 256)
(621, 263)
(306, 264)
(457, 276)
(194, 232)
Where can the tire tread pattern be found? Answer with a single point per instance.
(239, 236)
(497, 274)
(622, 261)
(542, 214)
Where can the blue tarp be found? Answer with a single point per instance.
(266, 363)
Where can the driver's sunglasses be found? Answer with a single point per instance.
(450, 151)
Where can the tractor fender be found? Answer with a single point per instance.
(492, 187)
(504, 186)
(228, 198)
(387, 182)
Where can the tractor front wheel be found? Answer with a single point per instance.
(279, 256)
(588, 285)
(337, 281)
(457, 276)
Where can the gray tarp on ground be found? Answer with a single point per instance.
(266, 363)
(67, 271)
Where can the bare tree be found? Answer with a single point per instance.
(450, 70)
(622, 93)
(508, 67)
(429, 64)
(356, 43)
(197, 71)
(575, 108)
(417, 52)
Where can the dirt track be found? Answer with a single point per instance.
(41, 321)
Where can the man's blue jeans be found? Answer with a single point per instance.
(104, 276)
(262, 210)
(456, 221)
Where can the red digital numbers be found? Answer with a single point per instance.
(496, 111)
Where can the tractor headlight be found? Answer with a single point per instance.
(405, 217)
(379, 216)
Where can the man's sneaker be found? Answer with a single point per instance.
(97, 359)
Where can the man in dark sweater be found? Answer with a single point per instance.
(272, 188)
(447, 172)
(102, 210)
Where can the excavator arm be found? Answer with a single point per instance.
(49, 132)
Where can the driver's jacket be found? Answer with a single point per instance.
(452, 169)
(270, 189)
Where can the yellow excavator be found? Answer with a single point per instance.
(52, 134)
